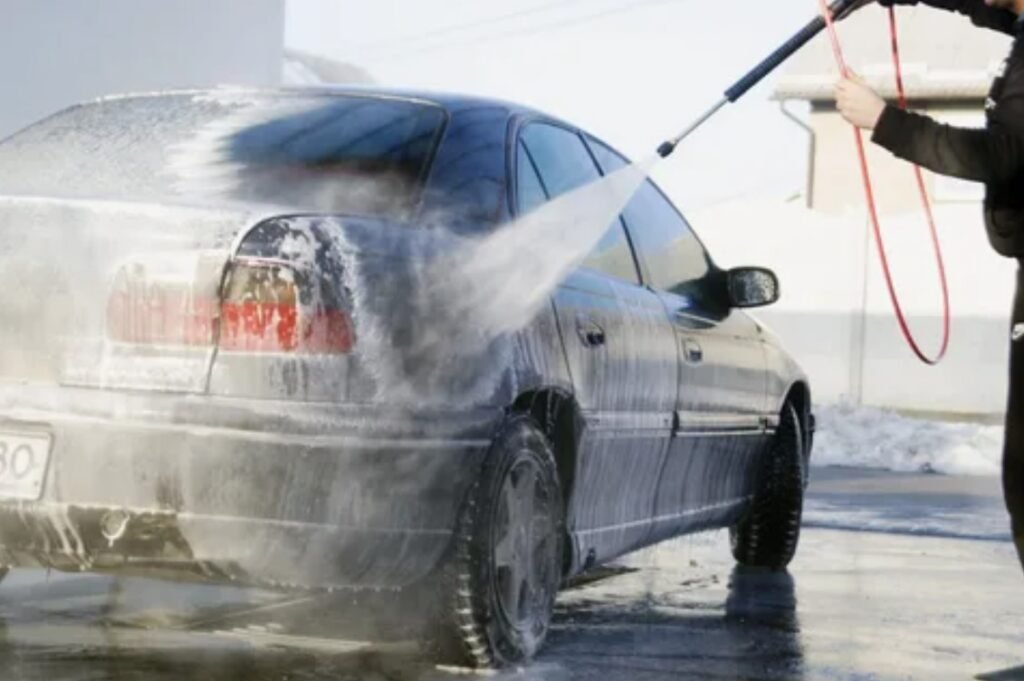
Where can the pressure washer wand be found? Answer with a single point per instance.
(839, 9)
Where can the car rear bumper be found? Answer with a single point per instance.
(254, 491)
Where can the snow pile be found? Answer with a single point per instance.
(873, 438)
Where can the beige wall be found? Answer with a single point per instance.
(837, 181)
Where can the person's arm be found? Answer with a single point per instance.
(980, 13)
(983, 155)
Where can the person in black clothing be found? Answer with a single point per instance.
(993, 155)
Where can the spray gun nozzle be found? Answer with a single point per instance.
(666, 149)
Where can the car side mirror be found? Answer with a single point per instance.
(752, 287)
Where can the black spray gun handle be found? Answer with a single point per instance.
(839, 9)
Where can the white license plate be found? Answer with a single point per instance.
(23, 461)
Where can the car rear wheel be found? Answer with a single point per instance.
(499, 586)
(769, 534)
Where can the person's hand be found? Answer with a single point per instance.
(858, 104)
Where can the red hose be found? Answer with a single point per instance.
(872, 206)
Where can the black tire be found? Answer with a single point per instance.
(768, 535)
(499, 584)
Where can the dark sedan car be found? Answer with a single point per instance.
(220, 359)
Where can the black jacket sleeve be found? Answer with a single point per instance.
(992, 156)
(979, 13)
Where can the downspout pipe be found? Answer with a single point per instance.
(812, 148)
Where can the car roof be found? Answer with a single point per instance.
(473, 188)
(447, 100)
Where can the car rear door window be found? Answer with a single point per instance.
(669, 251)
(562, 160)
(564, 163)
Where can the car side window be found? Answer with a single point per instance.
(562, 160)
(671, 253)
(564, 163)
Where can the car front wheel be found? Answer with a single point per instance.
(768, 535)
(499, 586)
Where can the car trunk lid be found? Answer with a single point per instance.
(112, 294)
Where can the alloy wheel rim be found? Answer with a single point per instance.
(524, 550)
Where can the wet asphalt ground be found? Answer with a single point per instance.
(931, 591)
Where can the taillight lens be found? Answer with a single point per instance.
(262, 312)
(150, 311)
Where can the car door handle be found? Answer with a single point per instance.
(590, 332)
(692, 351)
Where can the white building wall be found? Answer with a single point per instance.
(54, 53)
(835, 315)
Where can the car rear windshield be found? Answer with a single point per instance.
(357, 155)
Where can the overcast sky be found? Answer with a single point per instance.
(632, 71)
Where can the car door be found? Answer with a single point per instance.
(720, 425)
(621, 354)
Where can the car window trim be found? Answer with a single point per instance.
(641, 273)
(520, 145)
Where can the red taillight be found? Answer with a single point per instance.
(258, 327)
(262, 312)
(144, 312)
